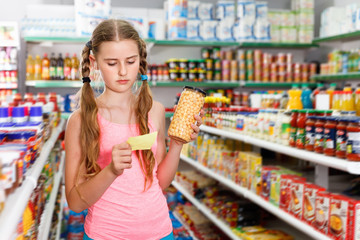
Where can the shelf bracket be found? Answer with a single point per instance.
(322, 176)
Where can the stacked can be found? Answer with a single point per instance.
(282, 61)
(241, 64)
(266, 63)
(249, 65)
(296, 72)
(158, 73)
(257, 65)
(213, 66)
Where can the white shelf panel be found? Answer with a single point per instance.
(333, 162)
(8, 85)
(286, 217)
(46, 218)
(62, 204)
(16, 203)
(206, 211)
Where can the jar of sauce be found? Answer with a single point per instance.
(353, 141)
(300, 131)
(341, 137)
(310, 133)
(319, 135)
(330, 136)
(293, 128)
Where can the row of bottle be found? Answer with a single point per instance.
(52, 69)
(341, 62)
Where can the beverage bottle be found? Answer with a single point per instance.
(30, 68)
(45, 65)
(74, 67)
(67, 67)
(315, 92)
(60, 68)
(330, 91)
(306, 97)
(53, 65)
(37, 68)
(294, 98)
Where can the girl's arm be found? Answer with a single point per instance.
(80, 192)
(169, 161)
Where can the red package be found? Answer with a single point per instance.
(285, 187)
(339, 217)
(310, 193)
(297, 197)
(354, 218)
(322, 209)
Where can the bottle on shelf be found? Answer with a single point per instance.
(330, 91)
(74, 67)
(306, 97)
(294, 98)
(37, 68)
(67, 67)
(45, 66)
(30, 68)
(60, 68)
(53, 65)
(316, 92)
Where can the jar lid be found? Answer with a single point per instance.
(196, 89)
(294, 111)
(192, 60)
(183, 60)
(192, 71)
(172, 60)
(173, 71)
(183, 71)
(201, 60)
(303, 111)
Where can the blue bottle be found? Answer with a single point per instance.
(306, 97)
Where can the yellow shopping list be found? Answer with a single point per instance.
(142, 142)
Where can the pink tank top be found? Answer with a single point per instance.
(125, 211)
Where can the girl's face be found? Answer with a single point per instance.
(118, 62)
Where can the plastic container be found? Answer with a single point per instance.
(319, 135)
(293, 128)
(294, 98)
(190, 103)
(330, 136)
(341, 137)
(310, 133)
(306, 97)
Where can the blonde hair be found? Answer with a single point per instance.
(113, 30)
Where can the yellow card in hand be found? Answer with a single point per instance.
(142, 142)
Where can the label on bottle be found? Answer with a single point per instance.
(319, 137)
(310, 135)
(300, 137)
(285, 130)
(45, 73)
(341, 140)
(292, 138)
(67, 72)
(52, 72)
(37, 68)
(353, 143)
(74, 74)
(271, 128)
(60, 72)
(329, 138)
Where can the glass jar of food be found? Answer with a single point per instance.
(190, 103)
(310, 133)
(341, 137)
(353, 141)
(319, 135)
(330, 136)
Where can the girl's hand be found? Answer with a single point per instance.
(121, 158)
(197, 125)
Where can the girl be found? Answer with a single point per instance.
(121, 188)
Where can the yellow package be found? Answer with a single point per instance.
(255, 173)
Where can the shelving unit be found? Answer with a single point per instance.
(337, 77)
(291, 220)
(206, 211)
(9, 85)
(16, 203)
(62, 204)
(341, 37)
(46, 218)
(344, 165)
(252, 84)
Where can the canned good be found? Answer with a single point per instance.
(242, 75)
(173, 64)
(209, 64)
(193, 76)
(229, 55)
(240, 55)
(209, 75)
(201, 65)
(216, 53)
(154, 73)
(201, 75)
(183, 75)
(183, 64)
(257, 55)
(174, 75)
(190, 103)
(289, 58)
(217, 75)
(249, 55)
(206, 53)
(281, 58)
(217, 64)
(192, 64)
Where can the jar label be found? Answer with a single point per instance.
(341, 140)
(353, 143)
(300, 136)
(240, 124)
(271, 128)
(329, 138)
(310, 135)
(292, 138)
(319, 137)
(285, 131)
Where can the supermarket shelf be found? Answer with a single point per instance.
(46, 217)
(62, 204)
(57, 39)
(8, 67)
(54, 84)
(206, 211)
(340, 37)
(350, 167)
(169, 114)
(276, 45)
(210, 84)
(251, 84)
(286, 217)
(192, 43)
(9, 85)
(337, 77)
(16, 203)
